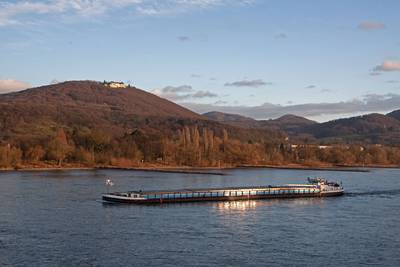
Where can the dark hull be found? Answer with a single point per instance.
(224, 198)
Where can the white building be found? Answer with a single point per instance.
(113, 84)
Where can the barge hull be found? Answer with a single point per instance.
(110, 198)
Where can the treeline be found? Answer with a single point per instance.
(188, 146)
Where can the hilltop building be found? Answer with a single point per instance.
(113, 84)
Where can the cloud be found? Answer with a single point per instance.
(374, 73)
(311, 86)
(9, 85)
(194, 75)
(371, 25)
(366, 104)
(203, 94)
(392, 81)
(183, 92)
(281, 36)
(248, 83)
(220, 102)
(388, 65)
(183, 38)
(177, 89)
(18, 11)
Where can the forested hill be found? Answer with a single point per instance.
(367, 129)
(88, 122)
(91, 95)
(287, 123)
(36, 112)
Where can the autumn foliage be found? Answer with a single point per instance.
(188, 146)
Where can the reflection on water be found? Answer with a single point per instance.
(236, 206)
(243, 206)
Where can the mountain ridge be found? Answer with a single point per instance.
(368, 128)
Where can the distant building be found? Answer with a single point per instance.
(113, 84)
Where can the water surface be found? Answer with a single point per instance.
(56, 218)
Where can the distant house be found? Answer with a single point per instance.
(113, 84)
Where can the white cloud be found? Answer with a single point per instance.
(388, 65)
(15, 12)
(9, 85)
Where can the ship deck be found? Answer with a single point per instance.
(240, 188)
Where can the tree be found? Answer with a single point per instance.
(59, 147)
(10, 156)
(35, 153)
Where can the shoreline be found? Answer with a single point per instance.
(204, 170)
(321, 168)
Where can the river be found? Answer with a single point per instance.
(57, 218)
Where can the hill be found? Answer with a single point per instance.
(232, 119)
(287, 123)
(371, 128)
(95, 95)
(367, 129)
(394, 114)
(83, 104)
(90, 122)
(292, 121)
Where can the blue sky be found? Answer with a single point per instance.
(257, 58)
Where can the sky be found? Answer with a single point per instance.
(319, 59)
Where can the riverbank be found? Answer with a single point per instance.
(323, 168)
(197, 170)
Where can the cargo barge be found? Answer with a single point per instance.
(316, 187)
